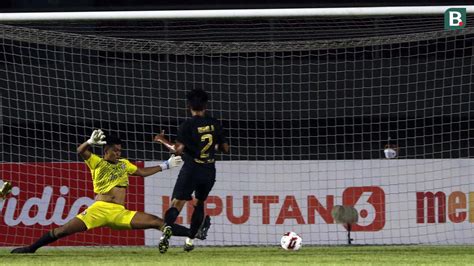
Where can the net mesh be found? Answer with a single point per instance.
(308, 105)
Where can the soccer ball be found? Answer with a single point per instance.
(291, 241)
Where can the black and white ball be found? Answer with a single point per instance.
(291, 241)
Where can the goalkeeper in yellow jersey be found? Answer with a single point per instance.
(110, 179)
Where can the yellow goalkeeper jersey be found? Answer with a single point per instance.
(107, 175)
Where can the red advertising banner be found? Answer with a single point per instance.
(47, 195)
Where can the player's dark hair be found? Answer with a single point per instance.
(112, 140)
(197, 99)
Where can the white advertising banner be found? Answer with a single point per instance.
(398, 201)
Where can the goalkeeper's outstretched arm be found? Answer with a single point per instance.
(173, 161)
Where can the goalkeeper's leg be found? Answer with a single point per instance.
(143, 220)
(76, 225)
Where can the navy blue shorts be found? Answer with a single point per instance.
(196, 178)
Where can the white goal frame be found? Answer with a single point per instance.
(227, 13)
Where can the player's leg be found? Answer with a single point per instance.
(92, 217)
(203, 228)
(143, 220)
(75, 225)
(170, 226)
(199, 222)
(182, 192)
(175, 208)
(197, 218)
(196, 221)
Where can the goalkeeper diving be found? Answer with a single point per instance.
(110, 175)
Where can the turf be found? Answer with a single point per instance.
(350, 255)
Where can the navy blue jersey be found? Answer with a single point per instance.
(199, 136)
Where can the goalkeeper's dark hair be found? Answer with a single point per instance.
(197, 99)
(112, 140)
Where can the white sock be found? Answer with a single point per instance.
(189, 241)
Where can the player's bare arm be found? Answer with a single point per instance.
(176, 148)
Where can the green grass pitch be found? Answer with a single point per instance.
(348, 255)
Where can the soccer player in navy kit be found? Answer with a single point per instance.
(199, 137)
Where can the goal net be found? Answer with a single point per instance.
(308, 105)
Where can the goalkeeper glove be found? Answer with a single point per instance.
(97, 138)
(173, 161)
(5, 190)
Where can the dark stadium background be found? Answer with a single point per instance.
(332, 136)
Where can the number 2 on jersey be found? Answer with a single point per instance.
(208, 139)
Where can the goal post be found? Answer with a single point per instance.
(308, 98)
(229, 13)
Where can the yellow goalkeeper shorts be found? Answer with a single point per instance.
(102, 213)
